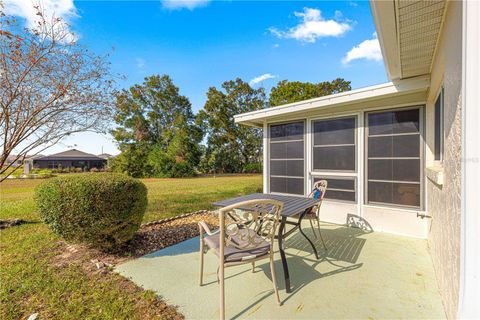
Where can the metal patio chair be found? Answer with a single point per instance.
(246, 234)
(314, 213)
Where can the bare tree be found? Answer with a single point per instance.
(50, 87)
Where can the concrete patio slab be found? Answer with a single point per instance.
(363, 275)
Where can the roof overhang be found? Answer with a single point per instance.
(408, 33)
(335, 101)
(79, 158)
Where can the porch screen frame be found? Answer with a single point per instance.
(355, 144)
(333, 173)
(269, 157)
(421, 132)
(355, 190)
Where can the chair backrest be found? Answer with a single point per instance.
(321, 185)
(248, 224)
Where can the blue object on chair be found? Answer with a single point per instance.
(315, 194)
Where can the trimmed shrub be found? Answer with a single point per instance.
(103, 209)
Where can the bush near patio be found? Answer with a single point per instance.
(102, 210)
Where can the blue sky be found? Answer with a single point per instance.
(202, 43)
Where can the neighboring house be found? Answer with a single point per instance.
(70, 159)
(392, 153)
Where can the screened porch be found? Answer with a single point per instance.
(370, 145)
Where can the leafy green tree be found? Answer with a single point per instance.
(230, 147)
(132, 160)
(292, 91)
(156, 130)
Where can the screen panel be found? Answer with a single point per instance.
(335, 131)
(340, 158)
(287, 157)
(340, 188)
(393, 157)
(334, 144)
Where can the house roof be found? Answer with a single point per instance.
(72, 154)
(105, 155)
(408, 32)
(339, 100)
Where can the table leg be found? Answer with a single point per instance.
(282, 254)
(301, 231)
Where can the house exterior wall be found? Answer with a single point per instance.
(444, 200)
(44, 164)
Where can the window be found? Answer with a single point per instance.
(438, 147)
(334, 144)
(287, 158)
(53, 164)
(393, 155)
(340, 188)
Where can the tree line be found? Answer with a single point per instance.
(159, 135)
(52, 87)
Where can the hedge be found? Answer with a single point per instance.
(100, 209)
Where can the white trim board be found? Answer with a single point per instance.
(469, 295)
(390, 89)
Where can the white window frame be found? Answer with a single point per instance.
(421, 113)
(268, 157)
(335, 174)
(312, 133)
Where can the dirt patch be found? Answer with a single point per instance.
(4, 224)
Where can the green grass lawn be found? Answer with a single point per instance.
(31, 282)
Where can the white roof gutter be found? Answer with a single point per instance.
(412, 85)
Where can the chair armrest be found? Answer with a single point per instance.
(202, 227)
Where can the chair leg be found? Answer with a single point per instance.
(313, 228)
(320, 233)
(274, 279)
(202, 252)
(253, 266)
(222, 291)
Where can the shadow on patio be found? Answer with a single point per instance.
(362, 275)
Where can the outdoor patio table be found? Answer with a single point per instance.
(292, 206)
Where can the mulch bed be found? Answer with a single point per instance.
(155, 236)
(151, 237)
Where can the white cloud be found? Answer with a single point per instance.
(140, 63)
(64, 9)
(261, 78)
(314, 26)
(368, 49)
(184, 4)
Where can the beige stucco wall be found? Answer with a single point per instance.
(443, 202)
